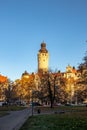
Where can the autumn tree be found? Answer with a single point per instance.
(61, 94)
(24, 86)
(70, 89)
(52, 88)
(8, 92)
(3, 86)
(82, 81)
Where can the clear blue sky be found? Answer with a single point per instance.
(24, 24)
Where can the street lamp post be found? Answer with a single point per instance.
(26, 75)
(76, 99)
(32, 102)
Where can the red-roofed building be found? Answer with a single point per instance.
(3, 81)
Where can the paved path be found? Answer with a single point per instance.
(14, 120)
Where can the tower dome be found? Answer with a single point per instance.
(43, 48)
(43, 44)
(25, 74)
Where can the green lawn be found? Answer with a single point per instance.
(4, 109)
(3, 113)
(60, 108)
(73, 120)
(11, 108)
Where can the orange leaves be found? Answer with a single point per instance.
(3, 79)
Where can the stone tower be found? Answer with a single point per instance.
(43, 58)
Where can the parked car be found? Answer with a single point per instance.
(4, 104)
(20, 103)
(1, 102)
(35, 104)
